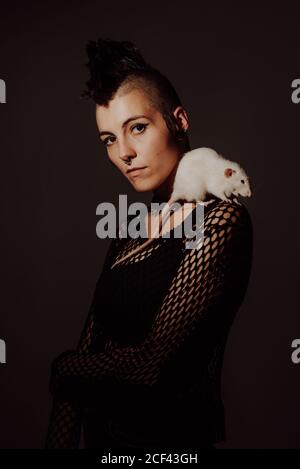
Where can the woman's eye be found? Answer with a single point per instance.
(141, 126)
(105, 141)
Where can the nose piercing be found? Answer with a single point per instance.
(128, 162)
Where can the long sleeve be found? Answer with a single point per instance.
(202, 279)
(66, 414)
(88, 332)
(64, 425)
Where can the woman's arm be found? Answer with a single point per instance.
(88, 329)
(203, 277)
(64, 425)
(66, 414)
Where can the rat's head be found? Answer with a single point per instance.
(238, 181)
(138, 114)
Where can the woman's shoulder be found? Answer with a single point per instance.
(219, 215)
(222, 212)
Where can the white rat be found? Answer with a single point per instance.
(199, 172)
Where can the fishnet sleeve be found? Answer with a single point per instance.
(201, 279)
(64, 425)
(66, 414)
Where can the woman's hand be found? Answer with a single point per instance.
(66, 384)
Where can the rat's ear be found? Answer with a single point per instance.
(229, 172)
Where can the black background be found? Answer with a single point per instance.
(232, 66)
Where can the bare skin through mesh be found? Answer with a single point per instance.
(201, 278)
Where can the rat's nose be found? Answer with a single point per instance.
(249, 193)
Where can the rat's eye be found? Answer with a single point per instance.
(242, 181)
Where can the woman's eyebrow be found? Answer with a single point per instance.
(104, 132)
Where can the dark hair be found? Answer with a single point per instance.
(115, 63)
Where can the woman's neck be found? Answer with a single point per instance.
(164, 191)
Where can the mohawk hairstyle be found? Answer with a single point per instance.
(115, 64)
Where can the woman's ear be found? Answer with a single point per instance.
(181, 118)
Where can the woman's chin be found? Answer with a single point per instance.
(142, 186)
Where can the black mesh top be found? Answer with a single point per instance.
(148, 363)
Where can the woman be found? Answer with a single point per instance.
(147, 370)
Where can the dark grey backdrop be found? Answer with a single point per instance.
(233, 67)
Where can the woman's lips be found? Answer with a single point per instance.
(135, 172)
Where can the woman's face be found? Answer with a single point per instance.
(132, 129)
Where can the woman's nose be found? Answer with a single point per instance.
(126, 152)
